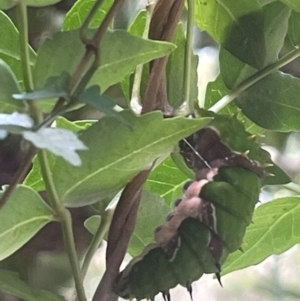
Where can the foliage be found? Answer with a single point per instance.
(92, 162)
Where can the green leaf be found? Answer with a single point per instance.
(152, 213)
(167, 181)
(175, 71)
(103, 103)
(238, 28)
(6, 4)
(56, 86)
(117, 153)
(79, 11)
(34, 179)
(10, 45)
(276, 16)
(9, 86)
(294, 4)
(273, 231)
(60, 142)
(120, 54)
(273, 103)
(294, 25)
(22, 216)
(92, 223)
(13, 285)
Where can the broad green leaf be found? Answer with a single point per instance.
(152, 213)
(175, 71)
(22, 216)
(79, 11)
(9, 86)
(294, 25)
(294, 4)
(13, 285)
(273, 103)
(273, 231)
(238, 28)
(60, 142)
(167, 181)
(6, 4)
(120, 54)
(276, 16)
(117, 153)
(10, 45)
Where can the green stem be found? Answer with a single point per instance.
(188, 55)
(135, 100)
(97, 239)
(88, 20)
(60, 210)
(223, 102)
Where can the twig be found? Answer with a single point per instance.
(19, 176)
(223, 102)
(97, 239)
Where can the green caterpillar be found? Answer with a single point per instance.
(208, 222)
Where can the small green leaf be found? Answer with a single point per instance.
(56, 86)
(6, 4)
(103, 103)
(294, 25)
(92, 223)
(273, 231)
(13, 285)
(9, 86)
(63, 143)
(117, 153)
(79, 11)
(273, 103)
(23, 215)
(167, 181)
(152, 213)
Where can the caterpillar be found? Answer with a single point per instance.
(208, 222)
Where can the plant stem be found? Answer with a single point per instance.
(223, 102)
(88, 20)
(188, 55)
(135, 101)
(60, 210)
(96, 241)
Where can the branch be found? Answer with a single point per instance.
(223, 102)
